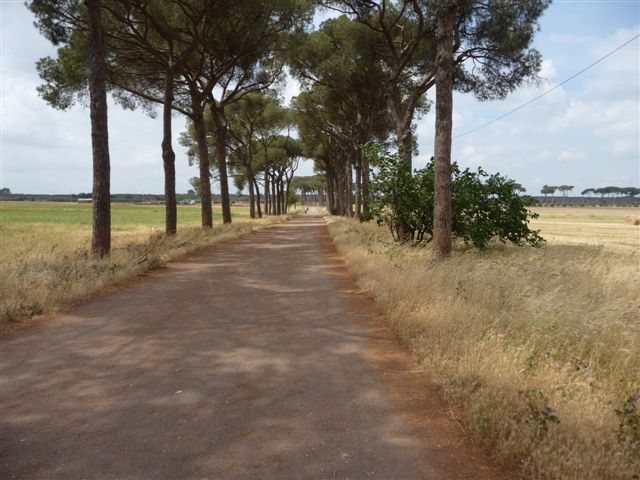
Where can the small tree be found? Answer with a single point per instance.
(395, 196)
(292, 198)
(195, 184)
(565, 189)
(547, 189)
(518, 188)
(484, 206)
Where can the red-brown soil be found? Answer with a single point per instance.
(254, 359)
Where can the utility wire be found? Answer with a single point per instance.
(520, 107)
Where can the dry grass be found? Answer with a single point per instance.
(521, 337)
(46, 266)
(590, 225)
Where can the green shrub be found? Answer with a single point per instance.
(484, 206)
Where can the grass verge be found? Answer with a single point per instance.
(45, 267)
(539, 346)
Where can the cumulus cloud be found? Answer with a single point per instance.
(291, 89)
(624, 147)
(571, 156)
(470, 156)
(543, 155)
(548, 69)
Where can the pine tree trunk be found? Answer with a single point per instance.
(330, 196)
(101, 196)
(252, 194)
(358, 166)
(274, 197)
(402, 125)
(338, 194)
(286, 196)
(442, 210)
(252, 200)
(348, 188)
(221, 157)
(365, 185)
(404, 139)
(205, 179)
(283, 190)
(278, 185)
(169, 157)
(266, 192)
(405, 143)
(258, 207)
(283, 201)
(252, 180)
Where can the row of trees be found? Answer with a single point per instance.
(262, 153)
(311, 189)
(365, 76)
(189, 56)
(565, 189)
(551, 189)
(619, 191)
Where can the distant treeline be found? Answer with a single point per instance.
(619, 191)
(116, 197)
(588, 201)
(604, 191)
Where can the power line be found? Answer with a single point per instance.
(520, 107)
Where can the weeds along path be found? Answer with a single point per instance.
(254, 359)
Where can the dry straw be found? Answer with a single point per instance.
(45, 267)
(539, 345)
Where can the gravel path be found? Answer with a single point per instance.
(254, 359)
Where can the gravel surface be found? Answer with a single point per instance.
(255, 359)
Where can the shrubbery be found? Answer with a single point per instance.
(484, 206)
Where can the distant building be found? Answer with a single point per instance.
(84, 200)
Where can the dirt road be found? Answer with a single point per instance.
(255, 359)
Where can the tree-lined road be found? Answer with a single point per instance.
(253, 359)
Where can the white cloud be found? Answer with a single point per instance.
(537, 180)
(622, 61)
(291, 89)
(548, 70)
(617, 180)
(570, 40)
(470, 156)
(624, 147)
(461, 118)
(571, 155)
(543, 155)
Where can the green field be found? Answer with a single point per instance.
(123, 214)
(44, 249)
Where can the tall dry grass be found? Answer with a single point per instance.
(539, 346)
(44, 267)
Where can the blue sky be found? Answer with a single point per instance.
(585, 133)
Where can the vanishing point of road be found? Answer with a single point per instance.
(254, 359)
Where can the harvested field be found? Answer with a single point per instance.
(538, 347)
(606, 226)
